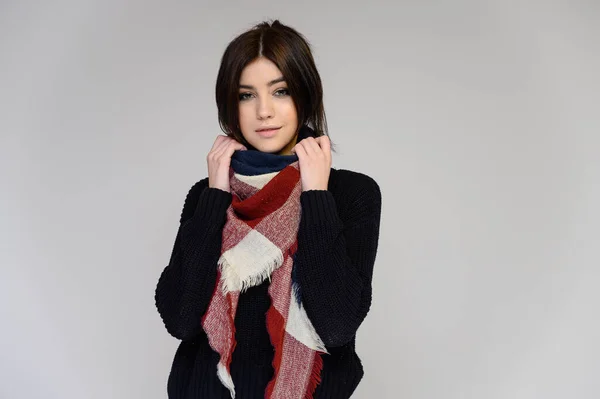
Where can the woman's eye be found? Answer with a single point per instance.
(279, 93)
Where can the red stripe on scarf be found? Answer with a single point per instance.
(268, 199)
(213, 294)
(315, 377)
(276, 328)
(229, 299)
(232, 336)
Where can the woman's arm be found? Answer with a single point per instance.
(186, 284)
(334, 261)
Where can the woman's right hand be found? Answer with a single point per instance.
(219, 159)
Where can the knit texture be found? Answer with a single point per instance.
(337, 243)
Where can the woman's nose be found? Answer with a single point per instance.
(265, 108)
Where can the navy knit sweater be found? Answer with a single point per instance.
(337, 244)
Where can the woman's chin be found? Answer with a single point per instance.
(272, 149)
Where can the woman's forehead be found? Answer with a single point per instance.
(261, 71)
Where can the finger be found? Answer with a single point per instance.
(217, 148)
(293, 150)
(300, 151)
(232, 147)
(325, 145)
(225, 145)
(221, 148)
(218, 141)
(296, 146)
(312, 147)
(236, 144)
(240, 146)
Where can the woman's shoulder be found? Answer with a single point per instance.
(196, 189)
(355, 193)
(353, 181)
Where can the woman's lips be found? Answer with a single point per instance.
(268, 133)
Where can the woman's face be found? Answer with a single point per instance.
(264, 101)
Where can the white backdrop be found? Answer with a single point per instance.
(479, 120)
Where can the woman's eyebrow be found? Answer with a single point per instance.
(271, 83)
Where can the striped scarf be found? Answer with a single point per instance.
(259, 243)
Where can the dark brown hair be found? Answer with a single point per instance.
(291, 53)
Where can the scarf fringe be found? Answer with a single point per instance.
(315, 376)
(232, 281)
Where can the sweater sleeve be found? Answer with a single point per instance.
(335, 259)
(186, 284)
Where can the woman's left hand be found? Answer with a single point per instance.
(314, 156)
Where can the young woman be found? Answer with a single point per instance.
(270, 274)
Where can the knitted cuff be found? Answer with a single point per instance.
(213, 204)
(318, 206)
